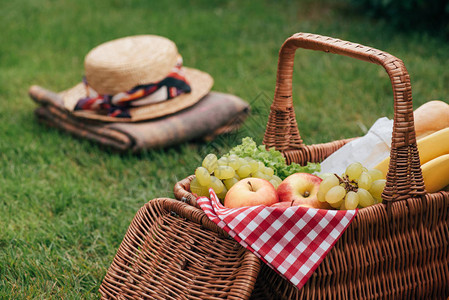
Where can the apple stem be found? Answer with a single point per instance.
(250, 186)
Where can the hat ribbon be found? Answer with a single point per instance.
(118, 105)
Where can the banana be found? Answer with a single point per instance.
(429, 147)
(436, 173)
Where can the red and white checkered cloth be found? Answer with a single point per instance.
(293, 241)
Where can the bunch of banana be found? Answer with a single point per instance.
(434, 156)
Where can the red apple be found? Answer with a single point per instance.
(301, 189)
(249, 192)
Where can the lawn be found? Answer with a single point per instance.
(65, 203)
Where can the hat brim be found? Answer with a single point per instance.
(200, 83)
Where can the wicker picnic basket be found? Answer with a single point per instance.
(394, 249)
(173, 251)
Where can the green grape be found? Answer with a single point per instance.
(210, 162)
(237, 177)
(354, 170)
(203, 176)
(365, 198)
(254, 165)
(261, 165)
(377, 188)
(234, 163)
(224, 172)
(197, 188)
(342, 206)
(230, 182)
(328, 182)
(277, 178)
(335, 194)
(233, 156)
(216, 184)
(222, 195)
(243, 161)
(338, 204)
(248, 159)
(244, 171)
(351, 200)
(223, 161)
(364, 181)
(259, 174)
(324, 175)
(321, 195)
(376, 174)
(269, 171)
(274, 182)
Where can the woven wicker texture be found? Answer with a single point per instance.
(377, 257)
(397, 249)
(404, 178)
(173, 251)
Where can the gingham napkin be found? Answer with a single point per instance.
(293, 241)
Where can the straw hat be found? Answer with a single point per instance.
(122, 64)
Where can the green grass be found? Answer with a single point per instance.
(65, 204)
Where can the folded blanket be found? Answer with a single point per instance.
(215, 114)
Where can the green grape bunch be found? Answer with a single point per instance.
(221, 174)
(357, 187)
(243, 161)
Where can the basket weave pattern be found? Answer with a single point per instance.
(173, 251)
(395, 249)
(404, 178)
(379, 258)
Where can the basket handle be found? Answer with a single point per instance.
(404, 178)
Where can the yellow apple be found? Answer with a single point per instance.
(249, 192)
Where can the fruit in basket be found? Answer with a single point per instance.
(243, 161)
(352, 200)
(357, 187)
(325, 185)
(377, 188)
(365, 198)
(244, 171)
(430, 117)
(222, 173)
(203, 176)
(429, 147)
(364, 181)
(210, 162)
(251, 191)
(375, 174)
(286, 204)
(354, 170)
(300, 189)
(198, 189)
(436, 173)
